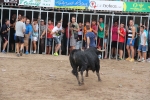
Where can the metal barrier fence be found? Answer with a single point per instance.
(80, 17)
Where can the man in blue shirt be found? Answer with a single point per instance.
(90, 37)
(27, 34)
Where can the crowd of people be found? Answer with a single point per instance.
(134, 38)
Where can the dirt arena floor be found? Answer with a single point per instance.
(45, 77)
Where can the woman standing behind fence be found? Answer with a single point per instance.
(74, 33)
(79, 40)
(121, 41)
(35, 35)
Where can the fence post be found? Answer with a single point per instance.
(111, 35)
(1, 26)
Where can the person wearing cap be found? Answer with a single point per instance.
(42, 36)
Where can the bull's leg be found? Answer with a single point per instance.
(98, 75)
(75, 72)
(86, 75)
(82, 80)
(77, 76)
(97, 66)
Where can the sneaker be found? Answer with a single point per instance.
(56, 54)
(27, 52)
(112, 57)
(43, 53)
(128, 59)
(3, 51)
(139, 60)
(143, 61)
(131, 60)
(18, 55)
(119, 58)
(34, 52)
(20, 52)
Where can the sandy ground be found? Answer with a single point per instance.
(45, 77)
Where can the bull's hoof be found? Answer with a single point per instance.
(99, 80)
(82, 83)
(86, 75)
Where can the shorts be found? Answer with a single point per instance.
(49, 41)
(34, 38)
(128, 42)
(100, 42)
(26, 40)
(114, 44)
(142, 48)
(19, 39)
(73, 41)
(105, 40)
(57, 40)
(120, 45)
(5, 38)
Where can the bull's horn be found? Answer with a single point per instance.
(101, 50)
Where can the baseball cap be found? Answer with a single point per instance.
(42, 20)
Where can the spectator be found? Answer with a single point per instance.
(90, 37)
(79, 40)
(143, 44)
(57, 30)
(114, 40)
(20, 29)
(100, 33)
(130, 41)
(12, 32)
(85, 31)
(4, 34)
(122, 35)
(35, 35)
(74, 28)
(94, 27)
(27, 35)
(49, 37)
(106, 40)
(42, 34)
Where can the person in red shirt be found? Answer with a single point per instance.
(50, 26)
(49, 37)
(94, 27)
(122, 35)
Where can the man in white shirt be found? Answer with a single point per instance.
(20, 29)
(57, 30)
(143, 44)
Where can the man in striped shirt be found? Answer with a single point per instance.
(130, 41)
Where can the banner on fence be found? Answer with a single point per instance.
(136, 6)
(106, 5)
(9, 1)
(74, 4)
(41, 3)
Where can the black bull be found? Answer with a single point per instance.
(85, 60)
